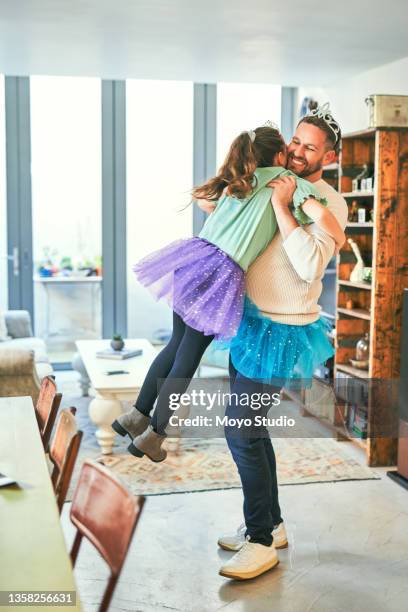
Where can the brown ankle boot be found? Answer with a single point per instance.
(149, 444)
(131, 423)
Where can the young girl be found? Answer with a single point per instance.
(203, 278)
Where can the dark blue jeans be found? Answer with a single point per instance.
(253, 453)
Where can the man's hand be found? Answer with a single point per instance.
(282, 196)
(283, 190)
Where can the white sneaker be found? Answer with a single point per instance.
(236, 541)
(251, 561)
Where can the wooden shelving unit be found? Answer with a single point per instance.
(360, 225)
(348, 369)
(359, 313)
(377, 306)
(358, 194)
(353, 285)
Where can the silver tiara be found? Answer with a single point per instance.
(271, 124)
(324, 112)
(252, 135)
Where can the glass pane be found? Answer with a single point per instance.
(67, 217)
(159, 116)
(244, 106)
(3, 203)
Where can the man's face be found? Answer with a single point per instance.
(308, 150)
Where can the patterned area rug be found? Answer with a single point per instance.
(204, 465)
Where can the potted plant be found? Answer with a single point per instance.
(117, 342)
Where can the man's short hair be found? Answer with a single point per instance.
(333, 141)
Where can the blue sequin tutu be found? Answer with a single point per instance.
(277, 353)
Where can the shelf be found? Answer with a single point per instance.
(348, 369)
(362, 285)
(358, 194)
(359, 313)
(331, 167)
(356, 224)
(368, 133)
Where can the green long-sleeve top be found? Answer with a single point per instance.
(244, 228)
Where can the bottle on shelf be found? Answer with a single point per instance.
(353, 212)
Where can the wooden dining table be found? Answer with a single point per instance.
(33, 553)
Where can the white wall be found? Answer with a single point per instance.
(347, 97)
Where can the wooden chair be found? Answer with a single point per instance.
(63, 453)
(46, 408)
(106, 514)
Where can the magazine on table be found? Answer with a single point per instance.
(109, 353)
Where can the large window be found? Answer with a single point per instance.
(159, 118)
(3, 205)
(244, 106)
(66, 196)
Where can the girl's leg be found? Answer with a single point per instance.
(187, 360)
(160, 368)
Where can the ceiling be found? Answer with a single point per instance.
(296, 42)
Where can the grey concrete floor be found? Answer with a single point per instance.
(348, 552)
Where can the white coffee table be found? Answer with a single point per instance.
(112, 390)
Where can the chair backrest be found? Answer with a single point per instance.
(63, 453)
(46, 408)
(106, 514)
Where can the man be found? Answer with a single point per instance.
(285, 285)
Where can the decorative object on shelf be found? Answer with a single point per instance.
(117, 342)
(357, 421)
(66, 266)
(360, 365)
(357, 274)
(349, 304)
(353, 212)
(361, 215)
(364, 181)
(362, 353)
(368, 274)
(98, 265)
(387, 111)
(363, 348)
(356, 182)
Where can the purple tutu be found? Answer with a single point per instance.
(200, 282)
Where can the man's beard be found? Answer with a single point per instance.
(305, 170)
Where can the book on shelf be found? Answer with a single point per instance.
(109, 353)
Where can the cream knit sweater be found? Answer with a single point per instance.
(285, 281)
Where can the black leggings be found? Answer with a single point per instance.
(178, 360)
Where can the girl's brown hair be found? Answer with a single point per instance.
(244, 157)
